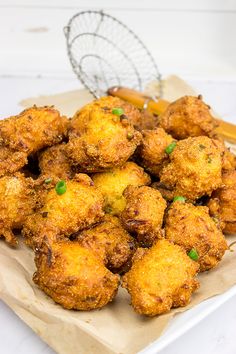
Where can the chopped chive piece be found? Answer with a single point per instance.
(130, 136)
(216, 220)
(170, 147)
(209, 160)
(202, 147)
(108, 209)
(48, 180)
(193, 254)
(60, 187)
(118, 111)
(179, 198)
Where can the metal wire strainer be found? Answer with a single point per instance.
(105, 53)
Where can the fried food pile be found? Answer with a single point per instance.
(114, 196)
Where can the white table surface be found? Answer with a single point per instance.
(216, 333)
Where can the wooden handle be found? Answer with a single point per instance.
(226, 130)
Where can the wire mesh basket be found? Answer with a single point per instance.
(105, 53)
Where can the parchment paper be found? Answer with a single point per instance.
(115, 328)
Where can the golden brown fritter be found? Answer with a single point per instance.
(107, 103)
(229, 160)
(11, 160)
(191, 227)
(33, 129)
(74, 276)
(54, 163)
(100, 139)
(160, 278)
(145, 121)
(151, 152)
(61, 215)
(17, 201)
(143, 214)
(110, 242)
(223, 202)
(113, 183)
(195, 168)
(167, 194)
(186, 117)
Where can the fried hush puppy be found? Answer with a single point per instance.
(11, 160)
(229, 159)
(160, 278)
(113, 183)
(195, 168)
(26, 133)
(192, 228)
(129, 112)
(101, 136)
(167, 194)
(223, 202)
(80, 206)
(151, 152)
(110, 242)
(54, 163)
(187, 117)
(74, 276)
(145, 121)
(33, 129)
(17, 201)
(143, 214)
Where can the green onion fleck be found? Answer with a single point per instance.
(48, 180)
(202, 147)
(108, 209)
(118, 111)
(130, 136)
(193, 254)
(209, 160)
(179, 198)
(216, 220)
(60, 187)
(170, 148)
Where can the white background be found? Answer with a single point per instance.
(194, 39)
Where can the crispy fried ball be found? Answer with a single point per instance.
(17, 201)
(191, 227)
(186, 117)
(11, 160)
(111, 242)
(160, 278)
(229, 160)
(145, 121)
(130, 113)
(33, 129)
(223, 202)
(100, 139)
(195, 168)
(61, 215)
(151, 152)
(143, 214)
(167, 194)
(74, 276)
(113, 183)
(54, 163)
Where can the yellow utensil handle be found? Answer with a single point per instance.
(226, 130)
(139, 100)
